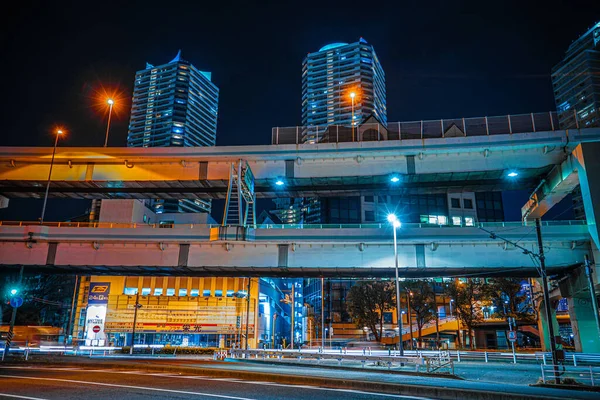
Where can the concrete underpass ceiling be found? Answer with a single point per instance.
(477, 181)
(297, 272)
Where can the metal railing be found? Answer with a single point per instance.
(133, 225)
(589, 376)
(342, 355)
(442, 128)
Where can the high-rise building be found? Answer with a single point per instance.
(174, 104)
(330, 75)
(576, 82)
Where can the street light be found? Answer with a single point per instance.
(110, 103)
(13, 292)
(58, 133)
(352, 96)
(392, 219)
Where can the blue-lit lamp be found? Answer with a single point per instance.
(392, 219)
(13, 292)
(279, 182)
(513, 174)
(395, 179)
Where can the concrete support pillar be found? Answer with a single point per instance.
(543, 326)
(583, 323)
(3, 202)
(589, 182)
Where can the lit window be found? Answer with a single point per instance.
(469, 221)
(170, 292)
(442, 220)
(456, 221)
(230, 293)
(206, 293)
(194, 292)
(182, 292)
(433, 219)
(218, 293)
(158, 292)
(130, 291)
(146, 291)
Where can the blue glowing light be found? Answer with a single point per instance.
(513, 174)
(332, 46)
(279, 182)
(394, 179)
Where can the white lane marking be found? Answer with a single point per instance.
(242, 381)
(126, 387)
(15, 396)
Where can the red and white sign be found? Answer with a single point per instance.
(96, 329)
(512, 336)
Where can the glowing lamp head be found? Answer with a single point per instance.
(513, 174)
(59, 132)
(13, 291)
(279, 182)
(392, 219)
(352, 95)
(394, 179)
(110, 102)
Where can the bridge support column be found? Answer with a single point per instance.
(583, 323)
(3, 202)
(589, 182)
(543, 325)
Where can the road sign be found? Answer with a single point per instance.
(16, 301)
(512, 336)
(96, 329)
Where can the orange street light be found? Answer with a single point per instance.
(110, 103)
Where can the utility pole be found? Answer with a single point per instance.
(547, 307)
(135, 312)
(293, 312)
(13, 318)
(248, 313)
(589, 272)
(408, 294)
(323, 313)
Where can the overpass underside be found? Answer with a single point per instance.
(282, 251)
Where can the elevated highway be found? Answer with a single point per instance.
(290, 250)
(428, 165)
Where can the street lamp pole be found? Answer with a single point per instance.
(135, 312)
(58, 133)
(408, 294)
(352, 96)
(110, 107)
(395, 224)
(248, 313)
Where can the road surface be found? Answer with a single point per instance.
(49, 383)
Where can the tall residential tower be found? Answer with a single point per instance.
(330, 75)
(576, 82)
(174, 104)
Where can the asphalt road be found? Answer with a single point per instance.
(44, 383)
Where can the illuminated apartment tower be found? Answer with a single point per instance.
(174, 104)
(331, 74)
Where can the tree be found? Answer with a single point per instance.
(46, 299)
(367, 301)
(422, 303)
(467, 298)
(509, 299)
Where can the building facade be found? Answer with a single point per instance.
(332, 74)
(576, 82)
(174, 104)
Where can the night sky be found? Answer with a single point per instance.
(442, 59)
